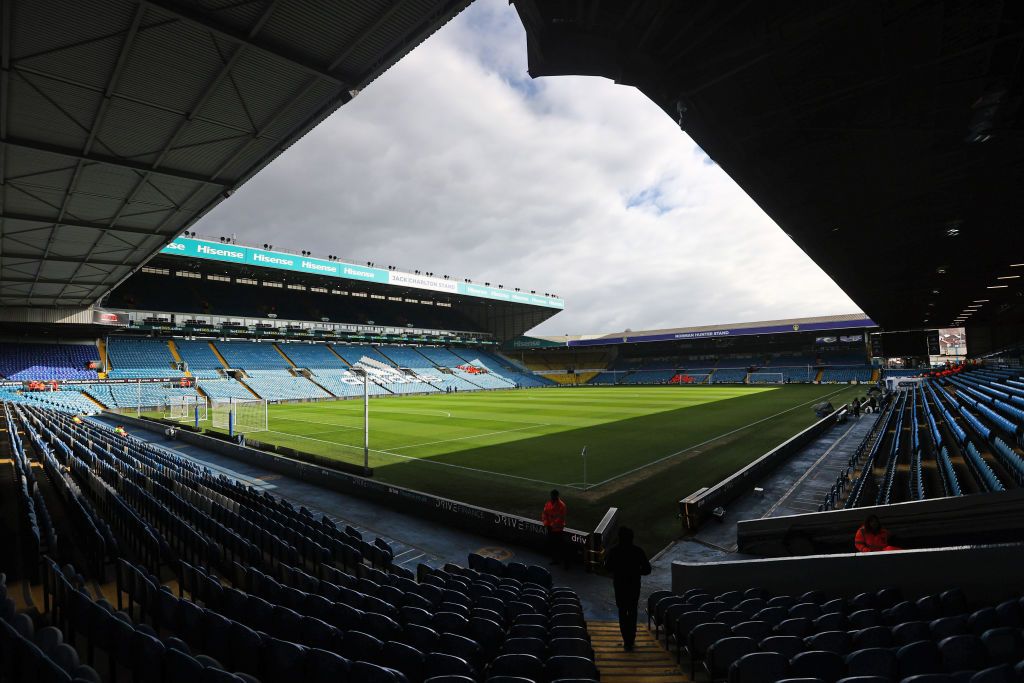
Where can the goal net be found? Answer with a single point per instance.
(185, 408)
(767, 378)
(240, 415)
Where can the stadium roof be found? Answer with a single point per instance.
(124, 121)
(848, 321)
(884, 137)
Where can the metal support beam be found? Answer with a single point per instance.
(82, 224)
(36, 146)
(58, 259)
(209, 23)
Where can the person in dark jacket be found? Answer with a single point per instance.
(627, 563)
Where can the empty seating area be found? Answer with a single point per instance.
(247, 356)
(754, 636)
(187, 576)
(649, 377)
(728, 376)
(846, 374)
(223, 389)
(63, 399)
(25, 362)
(283, 386)
(139, 358)
(313, 356)
(135, 395)
(355, 353)
(202, 362)
(947, 437)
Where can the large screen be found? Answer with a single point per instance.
(233, 253)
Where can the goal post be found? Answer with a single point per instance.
(767, 378)
(189, 408)
(240, 415)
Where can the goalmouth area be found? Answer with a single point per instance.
(646, 447)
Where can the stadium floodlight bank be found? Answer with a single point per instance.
(767, 378)
(240, 415)
(192, 409)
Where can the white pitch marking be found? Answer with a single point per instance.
(472, 436)
(716, 438)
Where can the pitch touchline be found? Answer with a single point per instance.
(715, 438)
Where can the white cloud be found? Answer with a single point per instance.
(456, 162)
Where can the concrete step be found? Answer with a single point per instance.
(649, 662)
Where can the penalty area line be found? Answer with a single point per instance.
(713, 439)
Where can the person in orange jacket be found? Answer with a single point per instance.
(872, 537)
(553, 518)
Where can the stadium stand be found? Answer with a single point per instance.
(135, 395)
(947, 437)
(750, 634)
(23, 361)
(649, 377)
(201, 361)
(223, 389)
(313, 356)
(250, 356)
(132, 358)
(265, 590)
(728, 376)
(846, 374)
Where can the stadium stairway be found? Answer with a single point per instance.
(649, 662)
(173, 348)
(288, 360)
(216, 352)
(101, 344)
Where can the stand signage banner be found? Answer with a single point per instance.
(232, 253)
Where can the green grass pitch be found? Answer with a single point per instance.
(647, 447)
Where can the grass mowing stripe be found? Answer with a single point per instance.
(540, 433)
(713, 439)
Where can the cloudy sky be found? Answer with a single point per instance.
(456, 162)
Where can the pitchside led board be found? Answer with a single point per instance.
(232, 253)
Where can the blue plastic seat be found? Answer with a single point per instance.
(1004, 645)
(963, 653)
(322, 666)
(723, 652)
(945, 627)
(404, 658)
(423, 638)
(825, 666)
(759, 667)
(563, 667)
(519, 665)
(281, 659)
(911, 632)
(797, 626)
(526, 646)
(919, 658)
(873, 661)
(462, 647)
(873, 636)
(571, 647)
(830, 641)
(360, 646)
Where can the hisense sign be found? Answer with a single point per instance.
(264, 258)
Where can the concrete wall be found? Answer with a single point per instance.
(491, 523)
(981, 518)
(987, 574)
(697, 507)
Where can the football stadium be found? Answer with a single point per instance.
(264, 462)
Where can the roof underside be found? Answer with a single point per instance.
(869, 131)
(122, 122)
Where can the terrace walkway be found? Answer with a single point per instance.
(649, 662)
